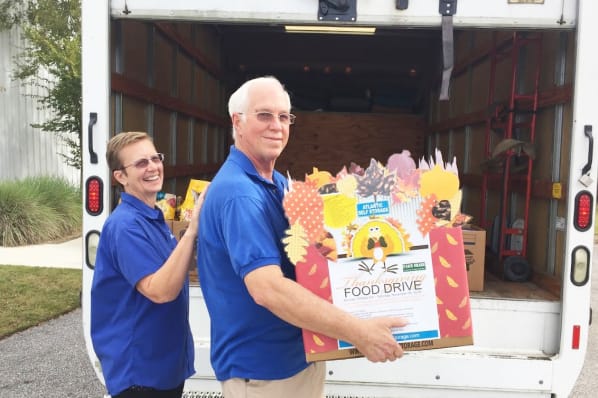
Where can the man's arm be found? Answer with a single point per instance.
(293, 303)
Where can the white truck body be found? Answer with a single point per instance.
(522, 347)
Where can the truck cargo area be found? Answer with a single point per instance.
(359, 97)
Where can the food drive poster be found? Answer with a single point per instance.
(383, 241)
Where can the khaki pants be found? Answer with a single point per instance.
(308, 383)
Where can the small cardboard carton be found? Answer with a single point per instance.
(474, 241)
(178, 229)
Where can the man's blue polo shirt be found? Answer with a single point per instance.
(242, 223)
(138, 342)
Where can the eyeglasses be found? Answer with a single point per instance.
(143, 163)
(268, 117)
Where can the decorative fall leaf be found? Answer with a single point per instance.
(443, 262)
(450, 315)
(376, 180)
(324, 283)
(451, 240)
(317, 340)
(444, 184)
(319, 178)
(313, 269)
(303, 204)
(347, 185)
(339, 210)
(434, 247)
(467, 324)
(451, 282)
(463, 302)
(439, 301)
(425, 220)
(296, 243)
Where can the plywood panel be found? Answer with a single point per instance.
(477, 141)
(480, 76)
(460, 95)
(330, 141)
(462, 41)
(543, 164)
(212, 144)
(184, 30)
(207, 40)
(164, 55)
(184, 73)
(200, 152)
(182, 144)
(134, 115)
(162, 132)
(539, 220)
(134, 50)
(200, 89)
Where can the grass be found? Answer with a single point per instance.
(38, 210)
(32, 295)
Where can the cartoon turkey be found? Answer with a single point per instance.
(377, 247)
(377, 239)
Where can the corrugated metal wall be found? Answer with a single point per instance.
(25, 151)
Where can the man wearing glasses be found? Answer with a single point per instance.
(256, 308)
(140, 295)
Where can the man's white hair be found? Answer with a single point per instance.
(239, 100)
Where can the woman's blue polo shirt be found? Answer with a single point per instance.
(137, 341)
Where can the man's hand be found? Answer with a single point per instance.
(375, 340)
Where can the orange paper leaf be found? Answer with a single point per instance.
(451, 282)
(450, 315)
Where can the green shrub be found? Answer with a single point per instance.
(38, 210)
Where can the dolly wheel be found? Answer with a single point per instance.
(517, 269)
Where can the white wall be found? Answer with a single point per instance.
(25, 151)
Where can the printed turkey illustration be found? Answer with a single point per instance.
(377, 239)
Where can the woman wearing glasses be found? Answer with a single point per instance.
(140, 296)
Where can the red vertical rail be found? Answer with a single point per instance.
(506, 181)
(516, 101)
(511, 50)
(532, 135)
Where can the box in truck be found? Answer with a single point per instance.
(519, 71)
(474, 242)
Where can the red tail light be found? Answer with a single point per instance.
(584, 205)
(93, 196)
(575, 337)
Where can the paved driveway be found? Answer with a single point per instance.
(51, 360)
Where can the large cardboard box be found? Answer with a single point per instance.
(474, 242)
(397, 294)
(382, 241)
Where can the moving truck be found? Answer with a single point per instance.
(506, 87)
